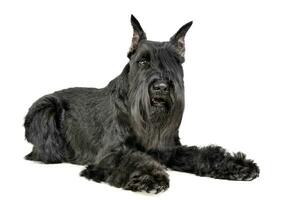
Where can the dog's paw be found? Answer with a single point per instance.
(154, 182)
(242, 169)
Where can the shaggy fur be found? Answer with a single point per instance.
(127, 132)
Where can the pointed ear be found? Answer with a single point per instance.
(178, 39)
(138, 35)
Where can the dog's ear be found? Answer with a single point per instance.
(178, 39)
(138, 35)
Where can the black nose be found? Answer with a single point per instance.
(161, 86)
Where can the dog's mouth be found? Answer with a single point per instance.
(159, 101)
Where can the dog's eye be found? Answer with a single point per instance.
(143, 62)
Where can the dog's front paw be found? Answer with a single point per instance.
(241, 169)
(154, 182)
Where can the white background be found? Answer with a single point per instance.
(235, 78)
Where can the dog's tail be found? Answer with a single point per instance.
(43, 129)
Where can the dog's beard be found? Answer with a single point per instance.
(160, 110)
(155, 120)
(147, 109)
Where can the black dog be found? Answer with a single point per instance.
(127, 132)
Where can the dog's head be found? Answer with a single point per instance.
(156, 89)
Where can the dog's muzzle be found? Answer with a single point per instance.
(159, 92)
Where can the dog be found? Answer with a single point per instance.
(127, 133)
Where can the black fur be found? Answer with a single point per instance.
(127, 132)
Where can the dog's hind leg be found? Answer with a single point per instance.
(213, 161)
(43, 130)
(34, 155)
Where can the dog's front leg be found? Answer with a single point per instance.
(213, 161)
(131, 170)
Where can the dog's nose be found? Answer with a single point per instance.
(161, 86)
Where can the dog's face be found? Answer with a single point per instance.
(156, 89)
(158, 67)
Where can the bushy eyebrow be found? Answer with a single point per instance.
(152, 51)
(143, 53)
